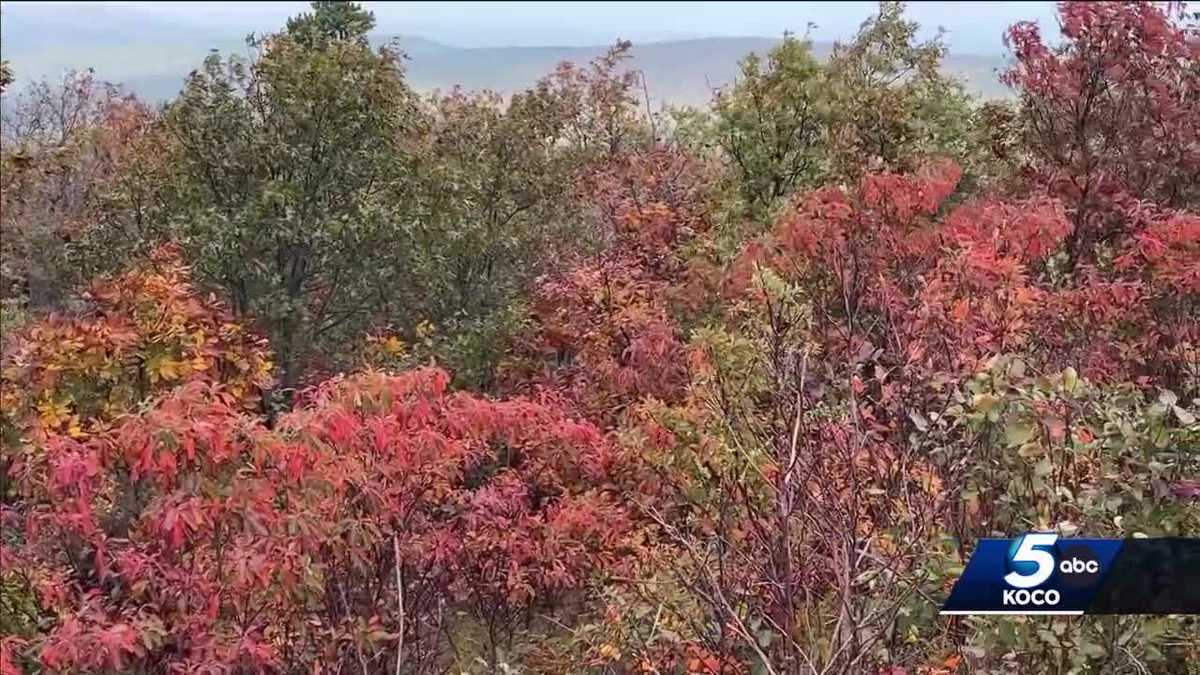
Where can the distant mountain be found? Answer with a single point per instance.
(679, 72)
(151, 57)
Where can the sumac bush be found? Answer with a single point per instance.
(760, 387)
(372, 519)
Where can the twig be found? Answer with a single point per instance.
(399, 604)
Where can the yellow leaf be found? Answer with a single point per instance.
(394, 346)
(986, 402)
(609, 652)
(164, 368)
(52, 414)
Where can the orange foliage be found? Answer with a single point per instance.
(141, 333)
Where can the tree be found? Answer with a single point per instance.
(330, 202)
(879, 103)
(1109, 114)
(495, 194)
(500, 198)
(889, 106)
(1106, 120)
(331, 21)
(287, 170)
(66, 150)
(598, 102)
(771, 124)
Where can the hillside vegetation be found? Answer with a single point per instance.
(306, 371)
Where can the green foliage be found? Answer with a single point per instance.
(494, 204)
(879, 103)
(1100, 644)
(496, 201)
(1059, 452)
(771, 125)
(473, 344)
(19, 610)
(994, 150)
(889, 106)
(290, 181)
(331, 20)
(329, 202)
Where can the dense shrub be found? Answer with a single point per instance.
(738, 401)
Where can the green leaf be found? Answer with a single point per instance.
(1070, 379)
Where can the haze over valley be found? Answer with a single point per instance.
(150, 53)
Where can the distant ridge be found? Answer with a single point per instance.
(152, 60)
(678, 72)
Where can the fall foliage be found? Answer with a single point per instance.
(308, 373)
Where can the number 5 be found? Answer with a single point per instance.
(1026, 552)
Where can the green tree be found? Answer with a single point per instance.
(889, 106)
(331, 21)
(879, 102)
(770, 125)
(287, 169)
(495, 208)
(499, 203)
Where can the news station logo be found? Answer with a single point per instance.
(1033, 562)
(1043, 573)
(1035, 573)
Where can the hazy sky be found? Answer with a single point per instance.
(974, 27)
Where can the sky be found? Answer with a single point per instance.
(973, 27)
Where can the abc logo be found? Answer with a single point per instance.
(1031, 562)
(1078, 566)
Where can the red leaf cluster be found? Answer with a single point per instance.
(191, 537)
(1111, 112)
(605, 333)
(949, 286)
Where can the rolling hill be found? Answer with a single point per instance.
(151, 59)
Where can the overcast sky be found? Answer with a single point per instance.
(973, 27)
